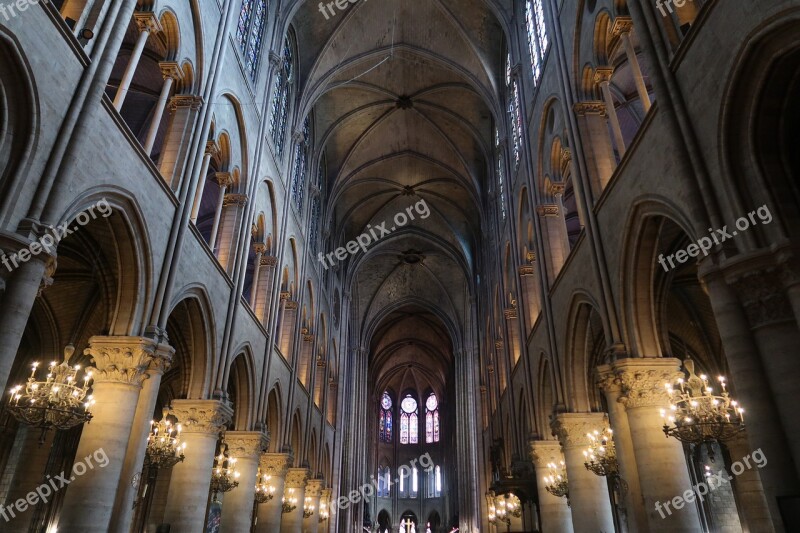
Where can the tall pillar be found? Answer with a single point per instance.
(623, 26)
(296, 479)
(28, 475)
(227, 243)
(189, 485)
(599, 153)
(602, 77)
(224, 179)
(147, 24)
(555, 513)
(212, 150)
(324, 508)
(122, 363)
(530, 293)
(267, 273)
(588, 493)
(751, 500)
(626, 455)
(259, 249)
(276, 465)
(246, 447)
(15, 308)
(313, 493)
(171, 72)
(174, 154)
(663, 472)
(137, 444)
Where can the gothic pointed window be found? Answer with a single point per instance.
(409, 421)
(501, 179)
(250, 33)
(300, 173)
(537, 36)
(386, 418)
(514, 113)
(284, 80)
(316, 208)
(431, 419)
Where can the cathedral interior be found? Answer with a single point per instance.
(395, 266)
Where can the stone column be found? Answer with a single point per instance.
(246, 447)
(211, 151)
(555, 513)
(224, 179)
(147, 23)
(171, 73)
(28, 475)
(202, 421)
(137, 444)
(184, 111)
(296, 479)
(591, 117)
(602, 77)
(324, 505)
(261, 304)
(530, 294)
(623, 26)
(626, 456)
(313, 493)
(588, 493)
(122, 363)
(259, 249)
(227, 243)
(752, 502)
(663, 472)
(269, 515)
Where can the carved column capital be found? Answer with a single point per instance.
(170, 69)
(224, 179)
(246, 444)
(239, 200)
(557, 189)
(162, 359)
(212, 148)
(202, 416)
(187, 101)
(314, 488)
(121, 359)
(763, 296)
(147, 21)
(548, 210)
(275, 58)
(510, 313)
(622, 25)
(543, 452)
(603, 75)
(639, 382)
(269, 261)
(259, 248)
(296, 478)
(527, 270)
(590, 108)
(275, 464)
(572, 428)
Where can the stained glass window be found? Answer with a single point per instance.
(431, 419)
(250, 32)
(438, 489)
(501, 179)
(301, 165)
(514, 113)
(280, 99)
(409, 421)
(386, 418)
(537, 36)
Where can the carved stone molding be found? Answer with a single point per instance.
(572, 428)
(530, 257)
(275, 464)
(269, 261)
(763, 297)
(275, 59)
(285, 295)
(246, 444)
(639, 382)
(147, 21)
(589, 108)
(162, 359)
(170, 69)
(121, 359)
(314, 488)
(239, 200)
(212, 148)
(603, 75)
(194, 103)
(527, 270)
(259, 248)
(543, 452)
(557, 189)
(224, 179)
(547, 210)
(510, 313)
(622, 25)
(325, 496)
(498, 345)
(291, 305)
(296, 478)
(202, 416)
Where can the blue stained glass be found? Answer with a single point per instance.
(403, 429)
(280, 100)
(244, 23)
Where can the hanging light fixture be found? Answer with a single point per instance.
(224, 474)
(164, 446)
(58, 401)
(308, 508)
(323, 511)
(289, 504)
(698, 414)
(556, 481)
(265, 490)
(601, 455)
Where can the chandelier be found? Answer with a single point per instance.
(57, 401)
(698, 414)
(308, 508)
(224, 474)
(556, 482)
(164, 447)
(289, 504)
(265, 491)
(601, 456)
(323, 512)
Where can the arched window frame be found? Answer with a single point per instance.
(409, 422)
(432, 419)
(514, 113)
(300, 172)
(250, 33)
(284, 81)
(386, 426)
(501, 175)
(316, 208)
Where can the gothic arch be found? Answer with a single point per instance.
(585, 349)
(273, 417)
(241, 386)
(191, 331)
